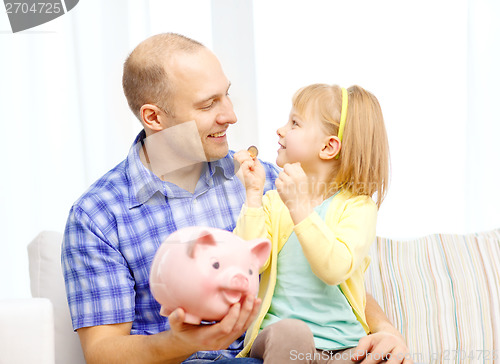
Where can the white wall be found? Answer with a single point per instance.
(483, 126)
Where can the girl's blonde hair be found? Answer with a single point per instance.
(363, 165)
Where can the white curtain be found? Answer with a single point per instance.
(483, 116)
(432, 65)
(64, 119)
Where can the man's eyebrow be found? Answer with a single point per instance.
(213, 96)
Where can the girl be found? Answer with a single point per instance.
(321, 221)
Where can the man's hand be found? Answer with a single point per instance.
(111, 344)
(217, 336)
(375, 347)
(386, 339)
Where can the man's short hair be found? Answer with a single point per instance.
(145, 79)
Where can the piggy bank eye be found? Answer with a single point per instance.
(250, 271)
(215, 263)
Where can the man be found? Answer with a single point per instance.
(178, 173)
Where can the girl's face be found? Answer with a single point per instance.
(301, 141)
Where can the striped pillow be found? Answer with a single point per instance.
(442, 293)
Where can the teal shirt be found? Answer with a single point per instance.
(300, 294)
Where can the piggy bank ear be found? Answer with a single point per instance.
(261, 249)
(204, 240)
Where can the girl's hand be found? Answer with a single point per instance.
(251, 172)
(293, 187)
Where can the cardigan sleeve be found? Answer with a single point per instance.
(251, 223)
(337, 247)
(255, 222)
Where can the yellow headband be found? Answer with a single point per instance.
(343, 113)
(343, 116)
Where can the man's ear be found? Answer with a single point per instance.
(331, 147)
(153, 118)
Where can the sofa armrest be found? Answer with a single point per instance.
(47, 281)
(27, 331)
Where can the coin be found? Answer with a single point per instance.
(254, 152)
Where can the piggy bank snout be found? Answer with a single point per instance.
(235, 288)
(239, 282)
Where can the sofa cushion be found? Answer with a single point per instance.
(442, 292)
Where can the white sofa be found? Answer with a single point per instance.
(441, 291)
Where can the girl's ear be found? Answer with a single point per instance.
(331, 148)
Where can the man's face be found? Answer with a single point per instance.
(200, 93)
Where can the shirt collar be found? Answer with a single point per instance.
(224, 165)
(144, 184)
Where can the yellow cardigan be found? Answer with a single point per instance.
(336, 248)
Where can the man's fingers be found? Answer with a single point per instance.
(363, 347)
(396, 359)
(253, 309)
(368, 350)
(377, 354)
(176, 318)
(400, 355)
(245, 312)
(239, 317)
(376, 347)
(226, 325)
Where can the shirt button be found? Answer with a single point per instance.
(195, 201)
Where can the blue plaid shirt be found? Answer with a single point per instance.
(114, 229)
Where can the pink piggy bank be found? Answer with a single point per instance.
(204, 271)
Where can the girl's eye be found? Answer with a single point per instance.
(294, 123)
